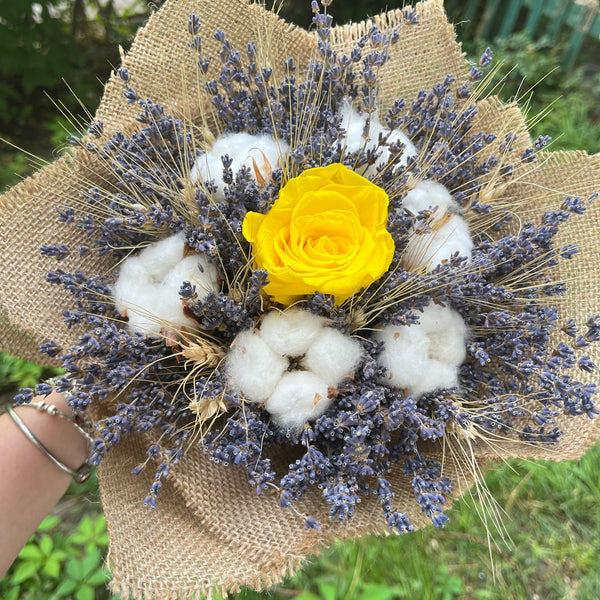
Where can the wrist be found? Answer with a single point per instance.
(61, 438)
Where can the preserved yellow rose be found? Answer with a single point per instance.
(325, 233)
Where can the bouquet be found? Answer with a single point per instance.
(307, 285)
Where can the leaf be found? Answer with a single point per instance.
(85, 592)
(75, 569)
(46, 545)
(328, 590)
(379, 591)
(49, 523)
(90, 562)
(99, 577)
(52, 567)
(14, 593)
(85, 525)
(66, 587)
(59, 555)
(24, 571)
(100, 525)
(30, 552)
(307, 596)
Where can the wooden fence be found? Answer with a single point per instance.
(488, 19)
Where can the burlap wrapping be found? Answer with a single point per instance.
(210, 531)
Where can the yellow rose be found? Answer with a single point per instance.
(325, 233)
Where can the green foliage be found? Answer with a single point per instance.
(44, 44)
(16, 373)
(567, 101)
(54, 565)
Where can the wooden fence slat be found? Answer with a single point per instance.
(489, 21)
(535, 12)
(587, 18)
(510, 18)
(558, 19)
(471, 12)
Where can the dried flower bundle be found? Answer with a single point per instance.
(319, 288)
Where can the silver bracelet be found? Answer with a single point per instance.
(82, 474)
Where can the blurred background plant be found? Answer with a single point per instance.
(550, 544)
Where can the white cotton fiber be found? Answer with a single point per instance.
(142, 317)
(257, 152)
(196, 269)
(147, 288)
(429, 195)
(160, 257)
(354, 123)
(405, 355)
(298, 397)
(253, 368)
(291, 332)
(428, 249)
(447, 334)
(438, 376)
(332, 356)
(410, 150)
(424, 357)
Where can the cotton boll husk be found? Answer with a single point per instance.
(332, 356)
(298, 397)
(428, 195)
(252, 368)
(405, 355)
(291, 332)
(242, 148)
(433, 247)
(447, 334)
(196, 269)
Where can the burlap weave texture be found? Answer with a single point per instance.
(210, 530)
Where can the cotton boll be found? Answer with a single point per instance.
(252, 368)
(354, 124)
(447, 334)
(409, 151)
(147, 288)
(410, 367)
(262, 154)
(428, 195)
(291, 332)
(160, 257)
(300, 396)
(405, 355)
(132, 285)
(142, 312)
(209, 166)
(438, 375)
(332, 356)
(196, 269)
(430, 248)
